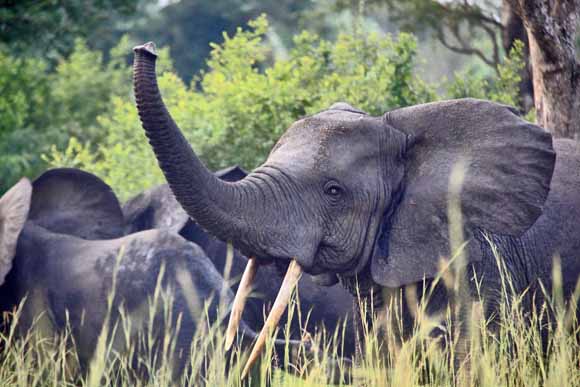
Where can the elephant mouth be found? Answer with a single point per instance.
(351, 269)
(326, 262)
(314, 260)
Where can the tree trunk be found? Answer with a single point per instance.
(551, 29)
(513, 29)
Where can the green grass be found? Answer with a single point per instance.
(511, 356)
(130, 352)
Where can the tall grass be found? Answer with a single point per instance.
(513, 355)
(516, 346)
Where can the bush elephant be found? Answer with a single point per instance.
(63, 246)
(366, 198)
(328, 306)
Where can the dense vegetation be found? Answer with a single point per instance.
(512, 356)
(81, 113)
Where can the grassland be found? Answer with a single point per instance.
(512, 355)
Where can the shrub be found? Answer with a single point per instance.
(40, 107)
(234, 112)
(503, 88)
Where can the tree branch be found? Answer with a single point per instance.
(464, 48)
(493, 37)
(474, 16)
(469, 11)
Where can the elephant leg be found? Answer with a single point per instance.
(373, 317)
(463, 324)
(358, 329)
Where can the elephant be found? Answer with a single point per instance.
(366, 197)
(330, 306)
(62, 247)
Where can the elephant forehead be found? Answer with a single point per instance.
(328, 143)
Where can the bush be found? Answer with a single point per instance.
(503, 88)
(24, 89)
(40, 108)
(234, 112)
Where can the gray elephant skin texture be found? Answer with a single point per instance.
(63, 240)
(330, 307)
(366, 198)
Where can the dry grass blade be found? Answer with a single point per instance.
(290, 280)
(240, 301)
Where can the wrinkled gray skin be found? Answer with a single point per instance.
(366, 197)
(61, 266)
(327, 306)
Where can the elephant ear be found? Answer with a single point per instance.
(74, 202)
(155, 208)
(14, 208)
(508, 168)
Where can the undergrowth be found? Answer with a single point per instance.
(511, 354)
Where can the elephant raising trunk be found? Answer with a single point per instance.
(364, 197)
(240, 212)
(213, 203)
(230, 211)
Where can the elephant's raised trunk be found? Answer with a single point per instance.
(250, 212)
(210, 201)
(231, 211)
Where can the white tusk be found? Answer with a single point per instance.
(290, 280)
(244, 290)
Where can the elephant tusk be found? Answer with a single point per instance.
(290, 280)
(240, 301)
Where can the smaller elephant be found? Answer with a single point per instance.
(52, 254)
(330, 306)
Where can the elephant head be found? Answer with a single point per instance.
(347, 193)
(157, 208)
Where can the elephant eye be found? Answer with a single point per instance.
(333, 190)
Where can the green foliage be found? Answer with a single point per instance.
(74, 156)
(83, 85)
(465, 27)
(40, 107)
(244, 103)
(467, 83)
(123, 156)
(212, 17)
(503, 88)
(23, 88)
(48, 29)
(506, 87)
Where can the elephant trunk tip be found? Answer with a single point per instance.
(147, 48)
